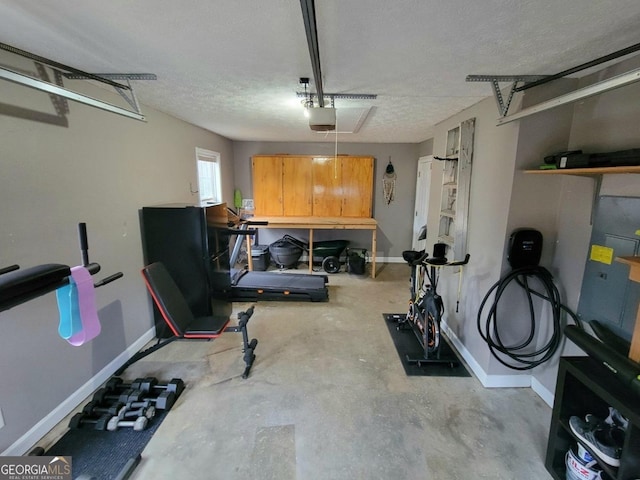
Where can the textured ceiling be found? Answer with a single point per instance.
(232, 66)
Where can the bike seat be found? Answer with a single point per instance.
(411, 256)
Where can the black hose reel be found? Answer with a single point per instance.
(525, 249)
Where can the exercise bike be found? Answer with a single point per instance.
(426, 307)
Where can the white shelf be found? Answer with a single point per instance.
(586, 171)
(456, 180)
(448, 239)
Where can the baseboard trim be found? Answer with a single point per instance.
(40, 429)
(390, 259)
(543, 392)
(487, 381)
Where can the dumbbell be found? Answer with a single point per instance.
(117, 383)
(164, 401)
(147, 410)
(148, 384)
(94, 408)
(125, 396)
(176, 385)
(138, 424)
(80, 420)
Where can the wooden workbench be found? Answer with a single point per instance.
(319, 223)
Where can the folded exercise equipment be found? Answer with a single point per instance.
(177, 315)
(74, 289)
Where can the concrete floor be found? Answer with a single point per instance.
(328, 399)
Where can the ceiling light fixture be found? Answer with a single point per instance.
(306, 102)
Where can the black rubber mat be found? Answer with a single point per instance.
(103, 455)
(407, 345)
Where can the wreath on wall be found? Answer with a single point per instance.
(389, 182)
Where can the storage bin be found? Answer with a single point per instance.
(356, 260)
(285, 254)
(260, 257)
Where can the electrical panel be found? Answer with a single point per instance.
(607, 294)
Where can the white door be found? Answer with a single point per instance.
(423, 185)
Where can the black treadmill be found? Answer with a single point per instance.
(249, 286)
(252, 286)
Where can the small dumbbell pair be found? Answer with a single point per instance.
(133, 414)
(137, 409)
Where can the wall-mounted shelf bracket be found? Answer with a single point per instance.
(495, 80)
(27, 81)
(532, 81)
(130, 97)
(58, 93)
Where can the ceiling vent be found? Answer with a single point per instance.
(322, 119)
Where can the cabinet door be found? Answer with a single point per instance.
(327, 187)
(297, 189)
(357, 186)
(267, 185)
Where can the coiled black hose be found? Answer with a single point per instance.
(519, 357)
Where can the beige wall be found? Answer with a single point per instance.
(503, 198)
(604, 123)
(96, 167)
(91, 166)
(491, 178)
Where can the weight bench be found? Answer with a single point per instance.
(178, 316)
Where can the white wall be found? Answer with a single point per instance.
(95, 167)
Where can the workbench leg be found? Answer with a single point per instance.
(249, 256)
(311, 250)
(373, 253)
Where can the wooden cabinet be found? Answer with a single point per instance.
(267, 185)
(297, 175)
(357, 186)
(305, 185)
(327, 186)
(585, 386)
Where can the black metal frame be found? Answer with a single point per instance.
(248, 347)
(426, 310)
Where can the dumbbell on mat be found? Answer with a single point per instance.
(80, 420)
(94, 408)
(147, 410)
(164, 401)
(138, 424)
(148, 384)
(125, 396)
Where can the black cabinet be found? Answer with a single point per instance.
(193, 243)
(585, 386)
